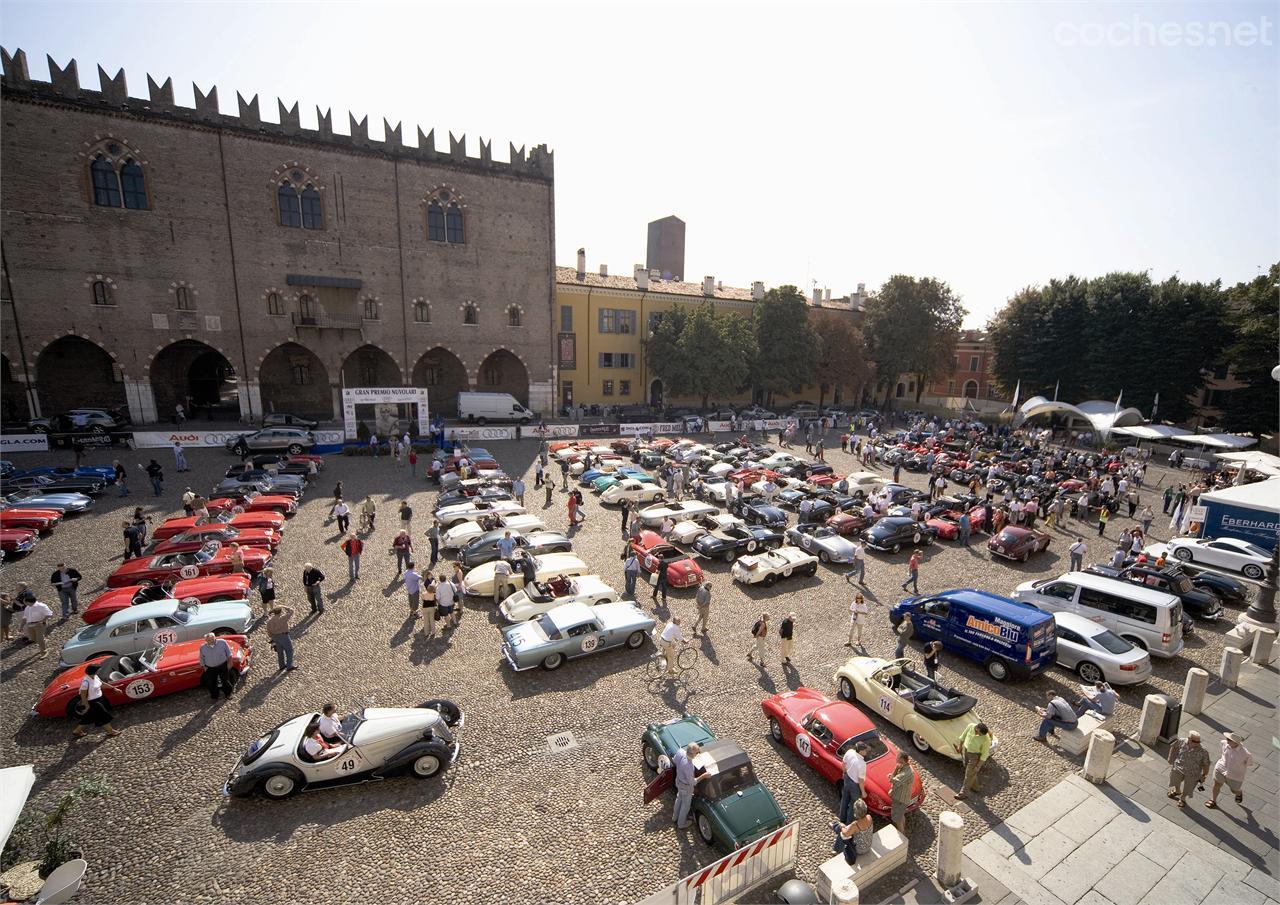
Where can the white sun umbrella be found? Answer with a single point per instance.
(15, 786)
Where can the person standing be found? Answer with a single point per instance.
(660, 580)
(670, 638)
(267, 589)
(702, 598)
(1076, 553)
(932, 654)
(373, 445)
(412, 588)
(368, 514)
(311, 580)
(179, 458)
(913, 573)
(433, 535)
(403, 548)
(156, 475)
(786, 636)
(506, 546)
(1104, 516)
(1057, 714)
(858, 616)
(1188, 766)
(35, 619)
(122, 477)
(630, 573)
(353, 547)
(626, 515)
(342, 514)
(517, 490)
(445, 594)
(65, 581)
(428, 605)
(1232, 768)
(1146, 516)
(413, 462)
(572, 505)
(241, 447)
(93, 709)
(188, 501)
(278, 632)
(975, 745)
(854, 765)
(7, 609)
(859, 563)
(759, 635)
(904, 630)
(501, 580)
(965, 529)
(537, 473)
(548, 488)
(1168, 498)
(901, 786)
(686, 780)
(215, 659)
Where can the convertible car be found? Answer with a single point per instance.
(730, 543)
(688, 531)
(758, 512)
(478, 582)
(653, 516)
(160, 670)
(574, 630)
(58, 502)
(243, 520)
(41, 520)
(44, 483)
(205, 561)
(1018, 543)
(252, 501)
(731, 807)
(546, 595)
(196, 538)
(633, 490)
(133, 630)
(466, 512)
(826, 543)
(946, 524)
(682, 572)
(208, 589)
(822, 731)
(767, 567)
(472, 494)
(465, 532)
(933, 715)
(377, 742)
(483, 550)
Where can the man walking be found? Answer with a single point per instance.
(1232, 768)
(517, 490)
(703, 601)
(858, 616)
(1076, 552)
(311, 579)
(626, 515)
(670, 638)
(964, 528)
(353, 547)
(1188, 766)
(433, 535)
(215, 659)
(906, 628)
(342, 513)
(759, 634)
(412, 588)
(403, 547)
(913, 573)
(631, 572)
(686, 780)
(66, 581)
(786, 635)
(156, 474)
(179, 458)
(122, 477)
(859, 567)
(278, 631)
(975, 744)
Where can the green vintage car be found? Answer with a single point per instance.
(604, 482)
(731, 806)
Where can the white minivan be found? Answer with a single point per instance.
(481, 408)
(1148, 618)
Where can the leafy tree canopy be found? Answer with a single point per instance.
(911, 328)
(787, 345)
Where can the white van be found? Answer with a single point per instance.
(481, 408)
(1148, 618)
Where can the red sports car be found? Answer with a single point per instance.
(848, 524)
(244, 520)
(1072, 485)
(252, 501)
(207, 589)
(35, 519)
(822, 730)
(947, 523)
(682, 572)
(17, 541)
(161, 568)
(825, 480)
(226, 535)
(1018, 543)
(157, 671)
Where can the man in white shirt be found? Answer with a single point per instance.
(35, 617)
(330, 726)
(855, 775)
(318, 751)
(1076, 552)
(671, 636)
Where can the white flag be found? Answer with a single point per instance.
(1155, 407)
(1016, 391)
(1055, 390)
(1118, 398)
(1176, 522)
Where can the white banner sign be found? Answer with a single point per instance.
(12, 443)
(489, 432)
(665, 427)
(353, 396)
(206, 439)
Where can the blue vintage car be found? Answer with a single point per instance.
(63, 502)
(138, 627)
(574, 630)
(103, 472)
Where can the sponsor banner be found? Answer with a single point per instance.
(353, 396)
(489, 432)
(215, 439)
(659, 427)
(558, 430)
(598, 430)
(719, 427)
(12, 443)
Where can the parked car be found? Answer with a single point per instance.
(241, 501)
(826, 543)
(758, 512)
(59, 502)
(1098, 654)
(1198, 602)
(933, 715)
(44, 483)
(206, 589)
(97, 420)
(1143, 616)
(478, 582)
(1018, 543)
(284, 419)
(633, 490)
(574, 630)
(465, 532)
(682, 572)
(652, 516)
(377, 742)
(767, 567)
(137, 628)
(822, 731)
(243, 521)
(731, 542)
(466, 512)
(1224, 553)
(17, 541)
(690, 530)
(197, 538)
(263, 481)
(544, 596)
(269, 439)
(891, 533)
(40, 520)
(209, 560)
(483, 550)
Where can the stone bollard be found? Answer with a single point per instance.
(950, 848)
(1230, 669)
(1152, 719)
(1097, 760)
(845, 892)
(1193, 690)
(1264, 643)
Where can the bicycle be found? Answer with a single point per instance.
(686, 660)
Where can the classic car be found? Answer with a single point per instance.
(484, 549)
(66, 503)
(377, 742)
(242, 520)
(1018, 543)
(136, 628)
(731, 807)
(933, 715)
(1228, 589)
(682, 572)
(1098, 654)
(159, 670)
(18, 541)
(826, 543)
(712, 487)
(546, 595)
(767, 567)
(196, 538)
(41, 520)
(304, 464)
(208, 560)
(633, 490)
(44, 483)
(263, 480)
(946, 524)
(252, 501)
(866, 481)
(688, 531)
(781, 458)
(653, 516)
(470, 494)
(731, 542)
(1198, 602)
(269, 439)
(1222, 553)
(104, 473)
(206, 589)
(490, 477)
(574, 630)
(478, 582)
(604, 482)
(891, 533)
(465, 512)
(465, 532)
(822, 731)
(758, 512)
(848, 524)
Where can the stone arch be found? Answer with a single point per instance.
(195, 374)
(444, 375)
(293, 379)
(503, 371)
(13, 393)
(970, 389)
(73, 371)
(369, 366)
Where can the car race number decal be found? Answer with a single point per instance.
(139, 688)
(590, 643)
(803, 745)
(165, 636)
(189, 571)
(807, 541)
(190, 601)
(885, 704)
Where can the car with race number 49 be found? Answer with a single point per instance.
(131, 631)
(765, 568)
(160, 670)
(826, 543)
(376, 742)
(574, 630)
(730, 543)
(543, 596)
(933, 715)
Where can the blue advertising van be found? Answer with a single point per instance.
(1248, 512)
(1009, 638)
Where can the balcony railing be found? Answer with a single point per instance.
(324, 322)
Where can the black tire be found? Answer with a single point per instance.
(294, 449)
(553, 662)
(1026, 555)
(1252, 570)
(482, 421)
(845, 690)
(730, 555)
(775, 731)
(279, 783)
(769, 580)
(650, 756)
(451, 712)
(1089, 672)
(705, 829)
(920, 743)
(431, 761)
(1135, 641)
(824, 556)
(897, 548)
(812, 570)
(1183, 554)
(998, 668)
(928, 540)
(635, 639)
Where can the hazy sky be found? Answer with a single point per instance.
(992, 145)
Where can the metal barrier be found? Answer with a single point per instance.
(735, 873)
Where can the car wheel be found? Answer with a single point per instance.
(730, 555)
(1252, 570)
(897, 548)
(812, 570)
(659, 497)
(824, 556)
(1183, 554)
(1089, 672)
(998, 669)
(97, 429)
(928, 540)
(482, 421)
(775, 730)
(279, 784)
(1026, 555)
(553, 662)
(40, 429)
(769, 581)
(921, 743)
(635, 639)
(1135, 641)
(705, 830)
(451, 712)
(223, 630)
(650, 755)
(295, 449)
(751, 546)
(430, 762)
(846, 689)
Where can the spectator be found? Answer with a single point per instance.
(858, 616)
(428, 604)
(368, 514)
(517, 490)
(760, 635)
(660, 579)
(964, 528)
(932, 654)
(7, 608)
(122, 477)
(373, 445)
(913, 573)
(156, 474)
(311, 580)
(267, 589)
(854, 838)
(1232, 768)
(904, 630)
(215, 659)
(65, 581)
(35, 619)
(353, 547)
(342, 513)
(537, 474)
(901, 789)
(433, 535)
(670, 638)
(188, 501)
(854, 765)
(1076, 553)
(859, 563)
(1188, 765)
(278, 631)
(402, 546)
(1146, 516)
(412, 588)
(506, 546)
(686, 780)
(1104, 516)
(179, 457)
(625, 508)
(702, 599)
(445, 594)
(975, 745)
(1057, 714)
(631, 572)
(1102, 700)
(501, 580)
(413, 462)
(786, 636)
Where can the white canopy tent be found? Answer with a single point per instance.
(1148, 431)
(1103, 416)
(1259, 461)
(15, 786)
(1215, 441)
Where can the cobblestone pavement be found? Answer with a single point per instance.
(511, 822)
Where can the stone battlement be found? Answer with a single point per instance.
(64, 87)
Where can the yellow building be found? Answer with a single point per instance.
(602, 321)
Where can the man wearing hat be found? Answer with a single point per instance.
(1188, 765)
(1231, 768)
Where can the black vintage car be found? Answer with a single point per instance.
(891, 533)
(730, 543)
(488, 494)
(1197, 602)
(50, 484)
(758, 512)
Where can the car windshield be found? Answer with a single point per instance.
(1112, 643)
(548, 627)
(92, 631)
(723, 785)
(875, 745)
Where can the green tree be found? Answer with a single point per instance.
(911, 328)
(1037, 338)
(718, 350)
(842, 356)
(787, 345)
(662, 352)
(1252, 353)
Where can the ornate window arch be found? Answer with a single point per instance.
(184, 296)
(445, 210)
(470, 314)
(117, 174)
(102, 291)
(275, 302)
(369, 308)
(299, 202)
(421, 311)
(515, 316)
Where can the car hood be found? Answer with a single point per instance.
(382, 723)
(749, 812)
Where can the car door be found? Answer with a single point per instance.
(822, 749)
(931, 619)
(886, 701)
(1070, 647)
(587, 638)
(1219, 554)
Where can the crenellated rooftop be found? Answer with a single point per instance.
(113, 95)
